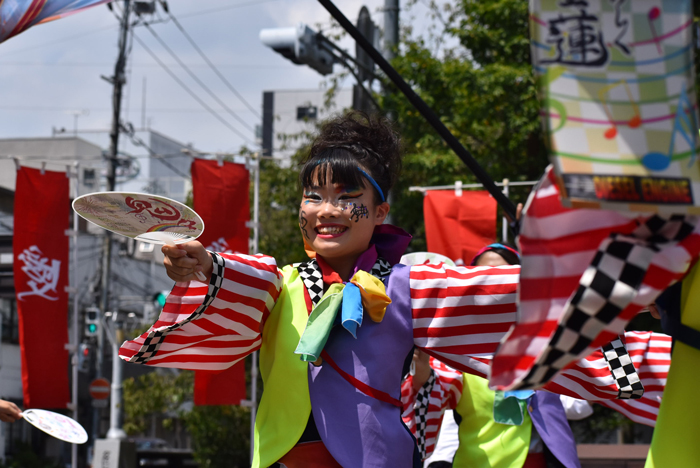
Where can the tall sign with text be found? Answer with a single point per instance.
(619, 102)
(40, 249)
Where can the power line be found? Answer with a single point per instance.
(136, 65)
(138, 141)
(230, 7)
(211, 65)
(65, 39)
(199, 82)
(189, 91)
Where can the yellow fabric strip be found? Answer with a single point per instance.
(676, 442)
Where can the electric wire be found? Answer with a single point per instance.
(189, 91)
(199, 82)
(212, 66)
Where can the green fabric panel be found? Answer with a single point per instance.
(675, 440)
(319, 324)
(285, 405)
(482, 441)
(508, 410)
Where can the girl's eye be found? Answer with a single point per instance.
(351, 196)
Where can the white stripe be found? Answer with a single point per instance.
(456, 321)
(443, 282)
(551, 266)
(461, 301)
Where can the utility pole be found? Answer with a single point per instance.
(117, 80)
(391, 28)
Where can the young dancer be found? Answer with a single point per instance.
(335, 333)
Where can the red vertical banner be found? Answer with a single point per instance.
(458, 226)
(221, 198)
(40, 248)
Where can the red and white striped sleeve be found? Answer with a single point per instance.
(460, 314)
(590, 378)
(424, 409)
(211, 327)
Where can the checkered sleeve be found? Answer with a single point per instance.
(460, 314)
(211, 326)
(424, 409)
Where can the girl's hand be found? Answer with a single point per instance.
(182, 261)
(9, 412)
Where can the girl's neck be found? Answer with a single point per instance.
(344, 266)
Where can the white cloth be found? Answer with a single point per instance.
(448, 441)
(576, 409)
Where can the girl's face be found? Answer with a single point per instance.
(338, 221)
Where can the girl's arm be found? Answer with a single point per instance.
(461, 313)
(211, 326)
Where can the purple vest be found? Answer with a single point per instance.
(549, 418)
(357, 429)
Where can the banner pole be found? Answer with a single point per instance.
(76, 325)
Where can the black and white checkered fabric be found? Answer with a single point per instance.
(312, 277)
(629, 385)
(155, 338)
(608, 286)
(420, 408)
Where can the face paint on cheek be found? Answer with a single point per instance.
(302, 223)
(359, 212)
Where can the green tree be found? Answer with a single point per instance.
(220, 434)
(482, 87)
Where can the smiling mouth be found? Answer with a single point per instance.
(331, 230)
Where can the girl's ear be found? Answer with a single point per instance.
(382, 213)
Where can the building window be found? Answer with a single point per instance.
(307, 113)
(10, 329)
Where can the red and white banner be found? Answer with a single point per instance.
(40, 248)
(459, 226)
(221, 198)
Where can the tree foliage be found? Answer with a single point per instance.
(220, 434)
(475, 73)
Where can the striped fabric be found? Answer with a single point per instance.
(587, 379)
(455, 311)
(461, 313)
(211, 327)
(590, 379)
(557, 246)
(444, 392)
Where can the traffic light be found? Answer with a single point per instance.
(92, 321)
(84, 355)
(159, 298)
(301, 45)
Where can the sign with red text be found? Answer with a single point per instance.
(619, 102)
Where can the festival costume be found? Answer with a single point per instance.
(250, 304)
(487, 436)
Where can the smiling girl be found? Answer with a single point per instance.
(336, 333)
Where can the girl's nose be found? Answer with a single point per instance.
(328, 209)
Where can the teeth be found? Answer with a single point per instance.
(330, 230)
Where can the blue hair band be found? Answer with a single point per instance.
(373, 182)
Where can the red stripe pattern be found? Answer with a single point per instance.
(460, 314)
(557, 246)
(211, 327)
(444, 393)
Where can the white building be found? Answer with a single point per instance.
(291, 112)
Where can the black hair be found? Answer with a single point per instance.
(510, 257)
(351, 141)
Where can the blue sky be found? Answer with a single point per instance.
(52, 71)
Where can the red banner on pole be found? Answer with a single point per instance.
(221, 198)
(458, 226)
(40, 248)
